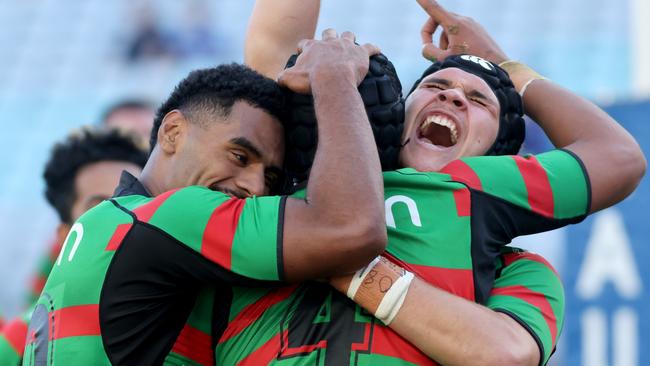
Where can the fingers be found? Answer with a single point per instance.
(428, 29)
(329, 33)
(433, 53)
(435, 11)
(371, 49)
(349, 36)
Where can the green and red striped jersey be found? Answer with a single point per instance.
(12, 340)
(132, 268)
(447, 227)
(528, 289)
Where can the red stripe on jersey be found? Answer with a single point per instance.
(461, 172)
(534, 298)
(220, 231)
(388, 343)
(118, 235)
(252, 312)
(195, 345)
(146, 211)
(463, 199)
(2, 322)
(15, 332)
(540, 194)
(74, 321)
(263, 355)
(456, 281)
(510, 258)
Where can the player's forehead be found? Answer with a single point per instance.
(456, 76)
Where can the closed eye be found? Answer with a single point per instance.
(239, 157)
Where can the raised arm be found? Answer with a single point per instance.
(612, 158)
(275, 28)
(340, 224)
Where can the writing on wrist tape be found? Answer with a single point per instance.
(521, 75)
(380, 288)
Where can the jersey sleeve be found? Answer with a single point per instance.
(243, 236)
(553, 185)
(530, 291)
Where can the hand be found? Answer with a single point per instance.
(332, 56)
(460, 35)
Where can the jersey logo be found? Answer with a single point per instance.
(410, 205)
(78, 229)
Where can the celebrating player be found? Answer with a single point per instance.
(463, 106)
(132, 267)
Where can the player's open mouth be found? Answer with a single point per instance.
(438, 130)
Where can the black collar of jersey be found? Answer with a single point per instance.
(130, 185)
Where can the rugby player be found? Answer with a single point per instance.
(524, 327)
(82, 171)
(132, 267)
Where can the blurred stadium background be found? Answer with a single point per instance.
(63, 62)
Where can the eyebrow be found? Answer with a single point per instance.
(248, 145)
(472, 93)
(245, 143)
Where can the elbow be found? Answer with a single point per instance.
(635, 164)
(360, 244)
(522, 357)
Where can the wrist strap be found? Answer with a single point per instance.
(380, 287)
(521, 75)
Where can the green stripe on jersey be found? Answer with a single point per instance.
(500, 176)
(185, 214)
(423, 209)
(568, 182)
(255, 245)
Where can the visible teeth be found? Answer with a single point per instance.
(440, 120)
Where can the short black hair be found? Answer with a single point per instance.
(216, 90)
(125, 104)
(83, 147)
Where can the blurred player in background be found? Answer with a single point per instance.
(132, 115)
(448, 117)
(82, 171)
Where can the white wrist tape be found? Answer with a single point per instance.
(359, 276)
(394, 298)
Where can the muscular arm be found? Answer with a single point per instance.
(447, 328)
(611, 156)
(344, 199)
(274, 30)
(452, 330)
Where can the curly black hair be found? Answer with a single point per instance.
(215, 90)
(83, 147)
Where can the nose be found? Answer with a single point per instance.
(454, 97)
(252, 182)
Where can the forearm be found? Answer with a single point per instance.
(611, 156)
(452, 330)
(346, 174)
(447, 328)
(274, 30)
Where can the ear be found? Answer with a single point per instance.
(61, 232)
(172, 130)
